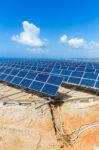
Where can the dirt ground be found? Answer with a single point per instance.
(27, 122)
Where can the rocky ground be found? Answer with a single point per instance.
(26, 126)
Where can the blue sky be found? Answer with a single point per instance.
(49, 28)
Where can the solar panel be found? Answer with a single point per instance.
(77, 74)
(65, 72)
(48, 70)
(14, 71)
(90, 75)
(16, 80)
(9, 78)
(22, 73)
(42, 77)
(36, 86)
(50, 89)
(65, 79)
(7, 71)
(54, 80)
(97, 84)
(88, 83)
(35, 74)
(56, 71)
(23, 76)
(25, 83)
(74, 80)
(97, 71)
(31, 75)
(89, 70)
(3, 76)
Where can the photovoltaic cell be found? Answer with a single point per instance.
(3, 76)
(16, 80)
(65, 79)
(14, 72)
(25, 83)
(55, 80)
(74, 80)
(36, 86)
(56, 71)
(89, 70)
(7, 71)
(80, 69)
(50, 89)
(65, 72)
(31, 75)
(22, 73)
(77, 74)
(90, 75)
(88, 83)
(48, 70)
(97, 84)
(42, 77)
(9, 78)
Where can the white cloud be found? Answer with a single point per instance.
(78, 42)
(64, 39)
(30, 36)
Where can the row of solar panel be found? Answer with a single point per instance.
(43, 83)
(50, 64)
(52, 70)
(82, 78)
(55, 71)
(83, 82)
(12, 71)
(51, 61)
(75, 77)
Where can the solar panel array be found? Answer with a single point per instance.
(18, 75)
(46, 76)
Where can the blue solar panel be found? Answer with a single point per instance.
(14, 72)
(25, 83)
(80, 69)
(40, 69)
(7, 71)
(90, 75)
(34, 68)
(48, 70)
(3, 76)
(55, 80)
(97, 71)
(74, 80)
(9, 78)
(42, 72)
(2, 69)
(72, 68)
(65, 79)
(89, 70)
(22, 73)
(42, 77)
(36, 86)
(88, 83)
(77, 74)
(31, 75)
(65, 72)
(56, 71)
(97, 84)
(16, 80)
(50, 89)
